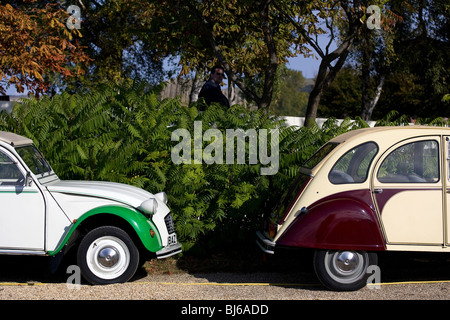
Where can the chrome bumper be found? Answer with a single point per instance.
(168, 251)
(264, 243)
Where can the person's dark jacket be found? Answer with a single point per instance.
(211, 92)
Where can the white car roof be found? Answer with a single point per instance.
(14, 139)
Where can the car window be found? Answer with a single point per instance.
(34, 159)
(319, 155)
(353, 166)
(289, 196)
(416, 162)
(10, 175)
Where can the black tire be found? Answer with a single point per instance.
(343, 270)
(107, 255)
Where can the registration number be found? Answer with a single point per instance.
(172, 239)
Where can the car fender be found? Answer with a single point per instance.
(339, 222)
(140, 224)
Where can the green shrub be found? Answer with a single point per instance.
(123, 134)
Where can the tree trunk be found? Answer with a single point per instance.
(366, 50)
(231, 93)
(324, 79)
(370, 106)
(315, 96)
(327, 72)
(197, 84)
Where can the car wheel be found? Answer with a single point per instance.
(343, 270)
(107, 255)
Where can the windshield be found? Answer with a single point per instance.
(34, 159)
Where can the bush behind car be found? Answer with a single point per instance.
(122, 133)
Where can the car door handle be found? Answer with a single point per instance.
(377, 190)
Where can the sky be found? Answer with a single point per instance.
(308, 66)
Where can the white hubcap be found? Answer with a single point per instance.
(108, 257)
(346, 266)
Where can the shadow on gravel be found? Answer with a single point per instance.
(295, 267)
(283, 266)
(29, 269)
(290, 268)
(34, 269)
(414, 266)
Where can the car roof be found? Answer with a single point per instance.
(14, 139)
(388, 135)
(412, 129)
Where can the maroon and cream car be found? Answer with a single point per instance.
(367, 191)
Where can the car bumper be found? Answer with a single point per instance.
(264, 243)
(168, 251)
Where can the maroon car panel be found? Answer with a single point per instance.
(340, 221)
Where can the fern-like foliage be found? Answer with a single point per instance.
(123, 132)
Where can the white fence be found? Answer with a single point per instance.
(300, 121)
(8, 104)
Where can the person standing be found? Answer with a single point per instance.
(211, 91)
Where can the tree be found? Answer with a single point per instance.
(418, 81)
(250, 39)
(346, 13)
(35, 43)
(113, 34)
(373, 55)
(291, 98)
(344, 21)
(343, 97)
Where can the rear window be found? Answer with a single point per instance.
(289, 196)
(353, 166)
(319, 155)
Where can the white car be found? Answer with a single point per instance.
(111, 223)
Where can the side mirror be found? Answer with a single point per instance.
(28, 179)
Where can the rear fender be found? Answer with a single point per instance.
(338, 222)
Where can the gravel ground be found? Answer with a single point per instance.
(22, 279)
(220, 286)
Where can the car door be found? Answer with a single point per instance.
(447, 186)
(22, 211)
(408, 192)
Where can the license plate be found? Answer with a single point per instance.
(172, 239)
